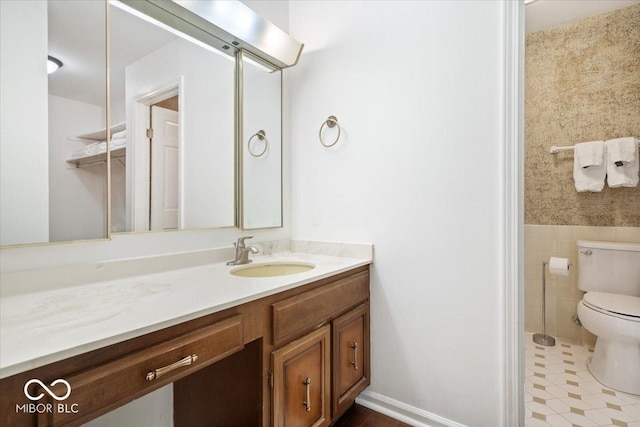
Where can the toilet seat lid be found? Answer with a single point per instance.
(625, 305)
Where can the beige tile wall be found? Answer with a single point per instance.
(563, 295)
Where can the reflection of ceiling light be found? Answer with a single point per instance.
(526, 2)
(147, 18)
(53, 64)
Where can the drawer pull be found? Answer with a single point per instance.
(157, 373)
(355, 356)
(307, 384)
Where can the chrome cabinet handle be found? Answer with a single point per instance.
(587, 252)
(157, 373)
(307, 384)
(355, 356)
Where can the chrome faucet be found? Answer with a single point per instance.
(242, 252)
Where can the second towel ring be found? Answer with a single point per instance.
(330, 122)
(262, 137)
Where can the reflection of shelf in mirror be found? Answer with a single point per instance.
(100, 135)
(117, 153)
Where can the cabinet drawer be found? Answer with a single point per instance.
(109, 386)
(294, 316)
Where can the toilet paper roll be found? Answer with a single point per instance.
(559, 266)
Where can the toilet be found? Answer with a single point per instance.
(609, 273)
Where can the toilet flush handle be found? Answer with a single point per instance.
(587, 252)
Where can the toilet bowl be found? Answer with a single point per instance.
(609, 273)
(615, 320)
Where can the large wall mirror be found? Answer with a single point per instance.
(45, 118)
(172, 116)
(170, 135)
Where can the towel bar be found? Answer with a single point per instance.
(330, 122)
(556, 150)
(262, 136)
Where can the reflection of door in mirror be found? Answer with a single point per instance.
(163, 214)
(261, 175)
(149, 64)
(53, 185)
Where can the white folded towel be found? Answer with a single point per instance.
(590, 178)
(623, 162)
(79, 152)
(119, 135)
(118, 142)
(623, 150)
(92, 148)
(589, 153)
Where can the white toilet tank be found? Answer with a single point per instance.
(609, 267)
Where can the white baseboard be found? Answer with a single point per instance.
(403, 412)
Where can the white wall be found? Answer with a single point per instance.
(24, 181)
(77, 197)
(207, 131)
(275, 11)
(416, 87)
(153, 410)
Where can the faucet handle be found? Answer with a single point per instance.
(241, 241)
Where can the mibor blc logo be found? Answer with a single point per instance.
(58, 408)
(47, 389)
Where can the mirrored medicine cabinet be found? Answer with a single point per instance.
(184, 132)
(260, 150)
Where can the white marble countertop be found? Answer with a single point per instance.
(46, 326)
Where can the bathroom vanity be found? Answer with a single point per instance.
(288, 350)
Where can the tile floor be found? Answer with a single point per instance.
(559, 390)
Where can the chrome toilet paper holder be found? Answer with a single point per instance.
(543, 338)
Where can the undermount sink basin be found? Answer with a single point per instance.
(271, 270)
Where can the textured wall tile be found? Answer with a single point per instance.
(582, 84)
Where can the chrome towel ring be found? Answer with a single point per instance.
(330, 123)
(262, 137)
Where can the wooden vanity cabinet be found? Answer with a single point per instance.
(346, 327)
(288, 359)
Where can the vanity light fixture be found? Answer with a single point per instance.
(53, 64)
(220, 23)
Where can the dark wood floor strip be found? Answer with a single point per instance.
(359, 416)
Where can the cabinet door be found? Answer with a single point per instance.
(301, 376)
(351, 372)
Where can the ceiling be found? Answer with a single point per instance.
(543, 14)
